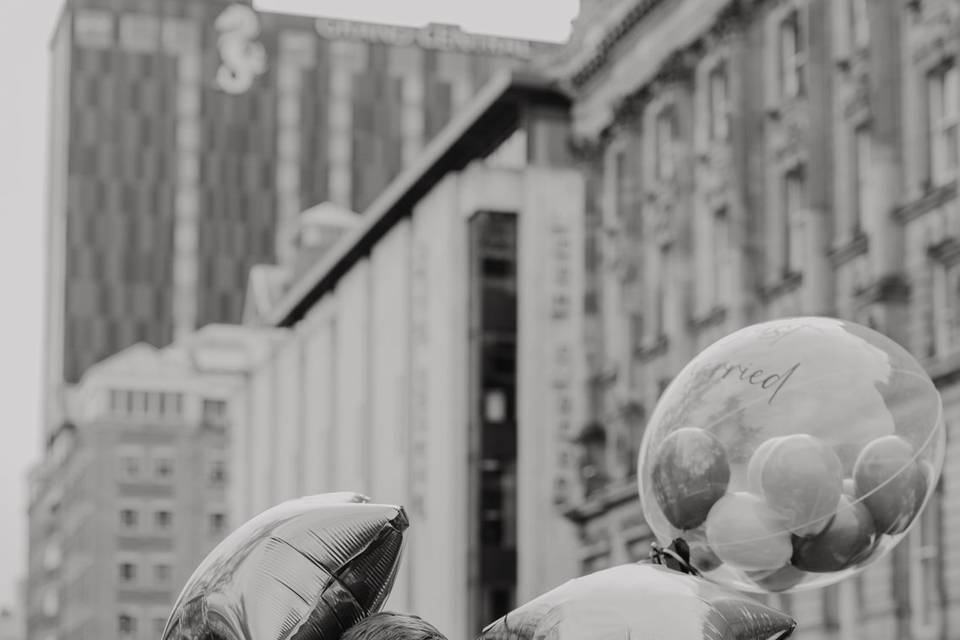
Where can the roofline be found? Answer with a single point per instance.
(598, 57)
(455, 146)
(534, 42)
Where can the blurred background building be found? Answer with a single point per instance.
(421, 367)
(203, 155)
(186, 138)
(11, 625)
(750, 160)
(134, 490)
(484, 339)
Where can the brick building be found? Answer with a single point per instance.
(753, 159)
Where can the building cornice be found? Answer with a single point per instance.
(585, 71)
(731, 17)
(678, 66)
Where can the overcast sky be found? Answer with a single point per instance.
(25, 27)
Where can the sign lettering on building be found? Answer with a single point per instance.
(561, 298)
(435, 36)
(420, 378)
(243, 58)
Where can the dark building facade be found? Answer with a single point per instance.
(186, 138)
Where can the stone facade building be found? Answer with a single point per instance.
(753, 159)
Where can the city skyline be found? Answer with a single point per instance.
(22, 162)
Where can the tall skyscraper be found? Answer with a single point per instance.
(186, 138)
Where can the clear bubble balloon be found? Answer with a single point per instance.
(792, 453)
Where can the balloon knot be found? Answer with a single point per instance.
(676, 556)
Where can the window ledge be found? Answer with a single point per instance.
(889, 288)
(613, 495)
(713, 318)
(931, 199)
(946, 252)
(856, 247)
(789, 282)
(652, 349)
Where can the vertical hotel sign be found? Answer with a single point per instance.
(419, 374)
(562, 340)
(551, 389)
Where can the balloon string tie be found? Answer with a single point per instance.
(676, 556)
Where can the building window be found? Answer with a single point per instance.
(218, 472)
(791, 221)
(793, 55)
(130, 466)
(945, 308)
(662, 289)
(593, 458)
(128, 572)
(50, 604)
(52, 556)
(171, 405)
(621, 186)
(163, 467)
(636, 330)
(859, 25)
(717, 257)
(665, 143)
(128, 518)
(718, 103)
(163, 519)
(943, 115)
(118, 401)
(495, 406)
(138, 405)
(162, 573)
(218, 523)
(214, 411)
(862, 171)
(925, 571)
(126, 625)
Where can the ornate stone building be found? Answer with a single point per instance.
(752, 159)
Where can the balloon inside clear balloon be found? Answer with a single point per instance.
(792, 454)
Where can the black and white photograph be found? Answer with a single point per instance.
(499, 320)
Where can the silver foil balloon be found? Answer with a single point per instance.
(642, 602)
(305, 569)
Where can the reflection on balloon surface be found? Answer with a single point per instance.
(643, 601)
(305, 569)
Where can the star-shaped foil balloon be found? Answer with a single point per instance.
(304, 570)
(641, 602)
